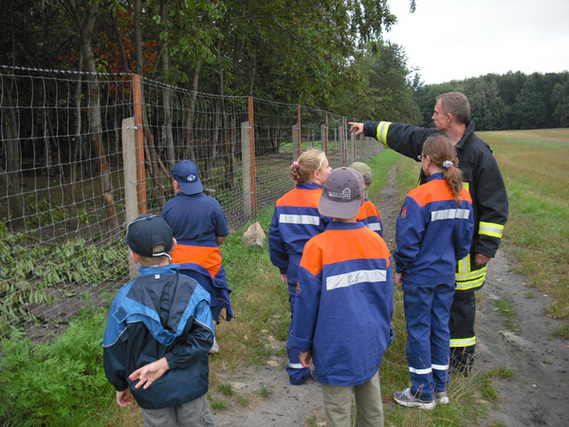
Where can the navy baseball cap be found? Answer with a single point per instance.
(146, 232)
(342, 194)
(186, 174)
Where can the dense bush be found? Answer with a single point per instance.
(61, 382)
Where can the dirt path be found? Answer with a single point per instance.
(537, 395)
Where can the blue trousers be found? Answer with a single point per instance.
(427, 313)
(296, 372)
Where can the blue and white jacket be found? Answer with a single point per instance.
(160, 314)
(432, 233)
(344, 303)
(296, 219)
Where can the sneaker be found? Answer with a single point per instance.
(442, 397)
(214, 348)
(405, 398)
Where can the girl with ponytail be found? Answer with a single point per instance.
(433, 231)
(295, 221)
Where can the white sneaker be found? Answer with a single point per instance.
(405, 398)
(214, 348)
(442, 397)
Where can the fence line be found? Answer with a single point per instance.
(62, 175)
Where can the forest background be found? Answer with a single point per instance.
(326, 54)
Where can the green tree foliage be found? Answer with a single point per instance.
(295, 52)
(560, 98)
(511, 101)
(380, 86)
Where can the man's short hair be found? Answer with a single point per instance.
(457, 104)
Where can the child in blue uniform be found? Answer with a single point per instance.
(368, 214)
(158, 333)
(344, 305)
(200, 227)
(433, 231)
(295, 221)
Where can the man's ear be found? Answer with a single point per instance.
(176, 186)
(174, 244)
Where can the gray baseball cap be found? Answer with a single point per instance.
(342, 194)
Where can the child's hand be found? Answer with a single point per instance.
(124, 398)
(398, 278)
(149, 373)
(305, 359)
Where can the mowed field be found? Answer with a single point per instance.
(535, 166)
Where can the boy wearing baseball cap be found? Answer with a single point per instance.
(158, 334)
(345, 304)
(200, 227)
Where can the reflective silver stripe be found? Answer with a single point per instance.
(295, 365)
(450, 214)
(471, 275)
(299, 219)
(471, 280)
(491, 229)
(439, 367)
(470, 285)
(382, 132)
(463, 266)
(375, 226)
(463, 342)
(420, 371)
(354, 278)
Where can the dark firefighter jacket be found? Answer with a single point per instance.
(481, 177)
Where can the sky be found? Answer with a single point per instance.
(456, 39)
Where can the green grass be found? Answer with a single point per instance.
(534, 166)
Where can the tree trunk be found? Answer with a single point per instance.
(189, 151)
(95, 114)
(166, 93)
(13, 166)
(152, 158)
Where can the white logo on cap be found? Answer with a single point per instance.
(191, 178)
(346, 194)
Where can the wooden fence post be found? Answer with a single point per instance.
(139, 138)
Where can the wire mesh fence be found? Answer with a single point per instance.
(63, 190)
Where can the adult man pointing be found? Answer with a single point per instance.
(483, 179)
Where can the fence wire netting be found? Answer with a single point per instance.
(63, 198)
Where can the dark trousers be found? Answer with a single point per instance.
(462, 335)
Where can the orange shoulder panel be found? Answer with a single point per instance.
(296, 197)
(333, 246)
